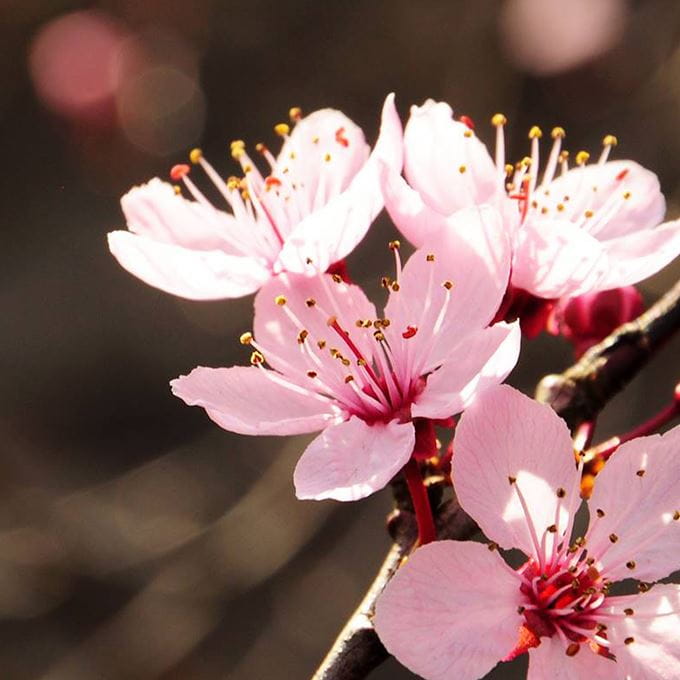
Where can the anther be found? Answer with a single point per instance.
(462, 169)
(270, 182)
(588, 213)
(564, 155)
(467, 134)
(552, 528)
(492, 546)
(320, 344)
(631, 564)
(535, 132)
(509, 169)
(195, 156)
(572, 649)
(629, 641)
(315, 139)
(280, 300)
(311, 374)
(327, 158)
(394, 245)
(331, 321)
(676, 515)
(256, 358)
(246, 338)
(521, 609)
(179, 171)
(295, 113)
(282, 129)
(409, 332)
(395, 286)
(561, 493)
(337, 278)
(613, 538)
(302, 336)
(379, 336)
(558, 133)
(468, 122)
(511, 480)
(349, 378)
(340, 137)
(600, 512)
(448, 285)
(626, 195)
(643, 587)
(260, 148)
(310, 302)
(498, 119)
(640, 473)
(610, 140)
(385, 281)
(628, 611)
(430, 257)
(582, 157)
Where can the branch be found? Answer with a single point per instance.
(583, 390)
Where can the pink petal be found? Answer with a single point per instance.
(556, 258)
(332, 232)
(639, 493)
(154, 210)
(654, 653)
(353, 459)
(638, 255)
(245, 400)
(415, 220)
(474, 255)
(479, 361)
(549, 661)
(450, 611)
(276, 332)
(192, 274)
(435, 150)
(336, 135)
(601, 189)
(506, 436)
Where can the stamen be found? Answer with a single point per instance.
(499, 121)
(607, 143)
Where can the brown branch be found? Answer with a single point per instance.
(583, 390)
(578, 394)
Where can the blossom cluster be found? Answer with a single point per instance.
(500, 249)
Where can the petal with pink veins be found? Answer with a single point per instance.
(275, 330)
(445, 162)
(415, 220)
(191, 274)
(549, 661)
(623, 196)
(556, 258)
(450, 611)
(155, 211)
(353, 459)
(473, 254)
(638, 493)
(652, 650)
(244, 399)
(514, 470)
(479, 361)
(636, 256)
(332, 231)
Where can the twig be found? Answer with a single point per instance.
(583, 390)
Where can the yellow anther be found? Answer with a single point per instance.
(429, 257)
(509, 169)
(394, 245)
(627, 195)
(280, 300)
(237, 143)
(582, 157)
(315, 139)
(177, 189)
(292, 155)
(589, 213)
(195, 155)
(247, 168)
(535, 132)
(462, 169)
(610, 140)
(558, 132)
(544, 210)
(256, 358)
(295, 113)
(245, 195)
(282, 129)
(379, 336)
(448, 285)
(260, 147)
(327, 157)
(560, 207)
(246, 338)
(467, 133)
(498, 119)
(564, 155)
(237, 152)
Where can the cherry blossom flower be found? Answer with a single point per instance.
(317, 202)
(593, 227)
(457, 608)
(362, 378)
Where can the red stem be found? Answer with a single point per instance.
(421, 503)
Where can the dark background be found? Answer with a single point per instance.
(137, 540)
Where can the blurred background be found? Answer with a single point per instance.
(137, 540)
